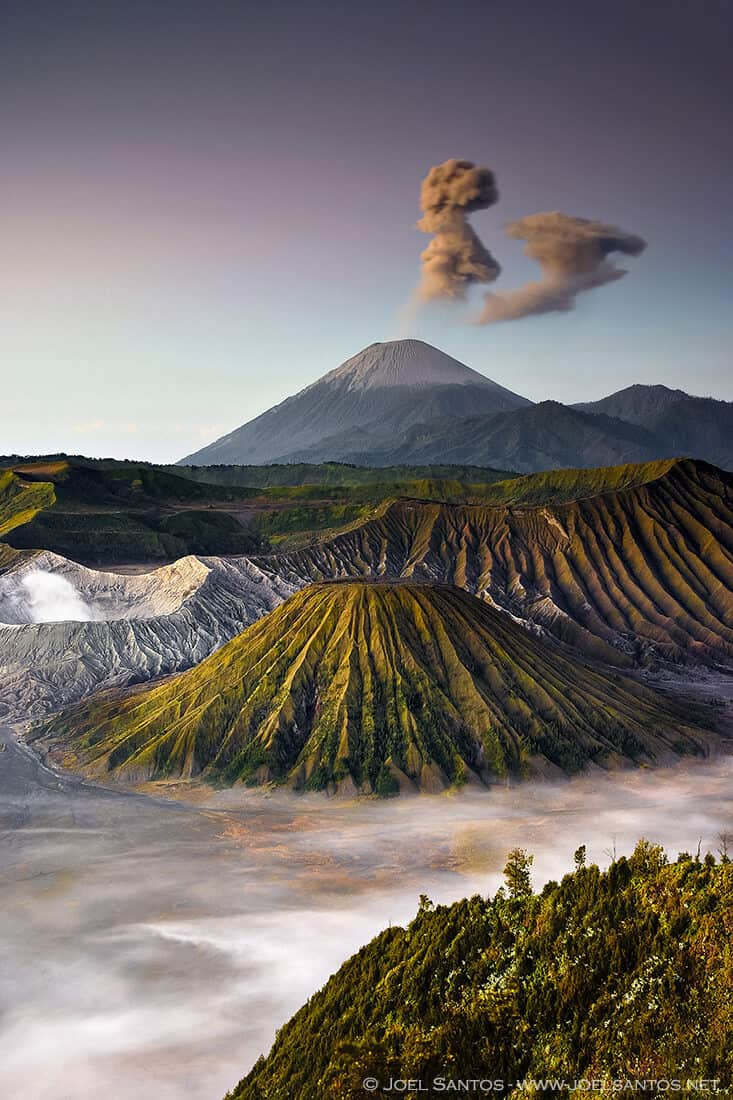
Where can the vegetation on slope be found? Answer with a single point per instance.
(111, 512)
(84, 483)
(21, 500)
(108, 511)
(622, 574)
(563, 486)
(622, 975)
(374, 686)
(335, 474)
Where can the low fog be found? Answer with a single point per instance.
(150, 949)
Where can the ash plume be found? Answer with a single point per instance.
(573, 254)
(456, 257)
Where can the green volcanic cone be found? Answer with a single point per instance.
(376, 687)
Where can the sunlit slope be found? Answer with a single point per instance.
(21, 500)
(617, 572)
(376, 686)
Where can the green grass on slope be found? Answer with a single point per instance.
(301, 523)
(87, 484)
(126, 512)
(561, 486)
(335, 474)
(376, 685)
(619, 975)
(21, 500)
(110, 536)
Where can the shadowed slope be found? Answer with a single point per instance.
(616, 571)
(368, 684)
(681, 423)
(536, 437)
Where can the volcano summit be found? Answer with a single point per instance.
(379, 393)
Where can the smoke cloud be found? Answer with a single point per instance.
(573, 254)
(456, 258)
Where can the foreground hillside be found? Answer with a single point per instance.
(619, 975)
(374, 687)
(620, 563)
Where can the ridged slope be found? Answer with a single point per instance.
(367, 685)
(617, 573)
(142, 626)
(538, 437)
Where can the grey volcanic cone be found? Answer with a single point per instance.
(384, 390)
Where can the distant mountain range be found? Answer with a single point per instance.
(405, 402)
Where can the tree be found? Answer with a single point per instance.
(647, 857)
(517, 873)
(426, 905)
(579, 857)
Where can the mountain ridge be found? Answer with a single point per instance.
(407, 402)
(548, 435)
(621, 574)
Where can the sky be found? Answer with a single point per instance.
(207, 205)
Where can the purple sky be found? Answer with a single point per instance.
(208, 205)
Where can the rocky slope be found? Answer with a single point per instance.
(375, 687)
(625, 564)
(116, 629)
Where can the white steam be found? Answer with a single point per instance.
(51, 598)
